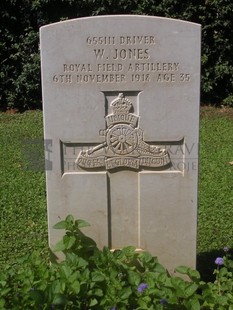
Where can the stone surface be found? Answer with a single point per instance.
(121, 109)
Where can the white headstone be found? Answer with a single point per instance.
(121, 109)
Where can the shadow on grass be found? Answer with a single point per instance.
(206, 263)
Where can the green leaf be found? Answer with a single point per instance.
(69, 219)
(69, 241)
(182, 269)
(72, 257)
(221, 300)
(118, 254)
(62, 286)
(164, 279)
(76, 287)
(134, 278)
(159, 268)
(93, 302)
(125, 293)
(143, 304)
(5, 291)
(67, 271)
(191, 289)
(145, 257)
(98, 292)
(129, 250)
(97, 276)
(81, 262)
(60, 225)
(179, 285)
(193, 304)
(59, 299)
(106, 251)
(81, 224)
(60, 246)
(223, 272)
(2, 303)
(194, 275)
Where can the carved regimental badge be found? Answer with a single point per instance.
(124, 145)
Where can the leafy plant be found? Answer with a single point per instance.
(90, 278)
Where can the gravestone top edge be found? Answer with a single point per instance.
(122, 16)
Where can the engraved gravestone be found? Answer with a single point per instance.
(121, 106)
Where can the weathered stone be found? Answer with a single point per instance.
(121, 106)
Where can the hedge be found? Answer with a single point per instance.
(19, 41)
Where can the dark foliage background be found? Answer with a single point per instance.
(19, 41)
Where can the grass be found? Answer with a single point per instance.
(215, 210)
(23, 226)
(215, 228)
(22, 189)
